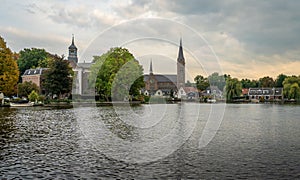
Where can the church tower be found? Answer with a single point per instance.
(180, 67)
(73, 52)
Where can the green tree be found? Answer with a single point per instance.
(291, 86)
(25, 88)
(233, 89)
(33, 96)
(201, 82)
(247, 83)
(58, 78)
(217, 80)
(279, 80)
(32, 58)
(9, 72)
(116, 73)
(266, 82)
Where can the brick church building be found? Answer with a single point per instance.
(165, 84)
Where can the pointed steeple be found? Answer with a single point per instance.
(180, 57)
(73, 39)
(73, 51)
(180, 67)
(151, 70)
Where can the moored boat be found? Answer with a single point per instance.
(22, 103)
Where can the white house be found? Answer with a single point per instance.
(188, 93)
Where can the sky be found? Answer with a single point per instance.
(246, 39)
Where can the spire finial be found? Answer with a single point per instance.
(151, 70)
(73, 39)
(180, 41)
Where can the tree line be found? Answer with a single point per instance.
(232, 87)
(114, 74)
(56, 80)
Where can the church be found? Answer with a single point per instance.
(155, 84)
(166, 84)
(81, 73)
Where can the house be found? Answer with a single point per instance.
(245, 91)
(213, 91)
(188, 93)
(35, 76)
(267, 94)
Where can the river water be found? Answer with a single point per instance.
(161, 141)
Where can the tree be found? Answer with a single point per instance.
(233, 89)
(201, 82)
(58, 78)
(32, 58)
(266, 82)
(279, 80)
(247, 83)
(9, 73)
(33, 96)
(25, 88)
(291, 88)
(116, 73)
(217, 80)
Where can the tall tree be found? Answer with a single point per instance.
(217, 80)
(266, 82)
(201, 82)
(247, 83)
(233, 89)
(9, 73)
(291, 86)
(279, 80)
(58, 78)
(31, 58)
(116, 73)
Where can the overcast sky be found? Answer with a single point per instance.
(242, 38)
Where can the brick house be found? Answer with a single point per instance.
(35, 76)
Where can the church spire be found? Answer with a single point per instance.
(180, 52)
(151, 70)
(73, 51)
(73, 40)
(180, 67)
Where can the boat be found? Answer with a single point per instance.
(211, 100)
(22, 103)
(254, 100)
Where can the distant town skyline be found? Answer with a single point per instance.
(246, 39)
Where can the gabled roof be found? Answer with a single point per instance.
(190, 89)
(212, 88)
(265, 91)
(162, 78)
(34, 71)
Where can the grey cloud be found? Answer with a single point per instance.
(263, 26)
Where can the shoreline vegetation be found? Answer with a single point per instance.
(67, 103)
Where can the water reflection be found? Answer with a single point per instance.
(254, 141)
(7, 125)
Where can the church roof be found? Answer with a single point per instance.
(163, 77)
